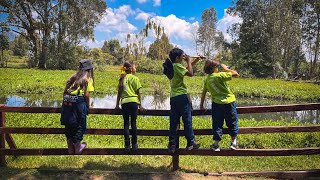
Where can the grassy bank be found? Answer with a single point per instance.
(33, 81)
(160, 163)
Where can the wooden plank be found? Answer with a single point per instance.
(271, 174)
(10, 141)
(175, 157)
(157, 151)
(150, 132)
(151, 112)
(2, 137)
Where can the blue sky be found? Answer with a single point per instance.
(180, 19)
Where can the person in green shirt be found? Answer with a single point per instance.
(180, 104)
(129, 94)
(223, 101)
(76, 98)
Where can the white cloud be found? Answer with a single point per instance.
(225, 23)
(144, 16)
(180, 32)
(125, 10)
(116, 20)
(92, 44)
(156, 2)
(177, 28)
(141, 1)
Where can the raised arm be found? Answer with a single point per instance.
(233, 72)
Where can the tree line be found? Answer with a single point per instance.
(276, 38)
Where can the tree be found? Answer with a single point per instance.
(209, 38)
(268, 37)
(19, 46)
(111, 47)
(160, 48)
(52, 26)
(4, 44)
(311, 32)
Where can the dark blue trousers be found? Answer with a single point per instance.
(227, 112)
(130, 110)
(75, 131)
(180, 106)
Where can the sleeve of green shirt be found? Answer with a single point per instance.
(90, 87)
(181, 70)
(227, 76)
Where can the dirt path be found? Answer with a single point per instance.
(48, 174)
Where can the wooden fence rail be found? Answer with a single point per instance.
(5, 134)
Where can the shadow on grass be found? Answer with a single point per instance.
(130, 171)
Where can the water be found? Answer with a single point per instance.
(158, 102)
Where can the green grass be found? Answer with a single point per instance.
(160, 163)
(34, 81)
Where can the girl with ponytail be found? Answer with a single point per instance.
(130, 98)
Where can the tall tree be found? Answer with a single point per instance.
(4, 44)
(209, 38)
(160, 48)
(19, 46)
(111, 47)
(268, 37)
(311, 32)
(49, 21)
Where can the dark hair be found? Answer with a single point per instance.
(174, 53)
(210, 65)
(167, 65)
(128, 65)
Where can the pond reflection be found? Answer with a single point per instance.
(163, 102)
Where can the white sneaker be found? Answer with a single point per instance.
(215, 147)
(233, 146)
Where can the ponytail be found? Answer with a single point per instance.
(124, 69)
(168, 68)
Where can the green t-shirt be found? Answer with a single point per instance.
(177, 85)
(131, 85)
(216, 84)
(90, 88)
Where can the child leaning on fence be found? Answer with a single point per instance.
(129, 94)
(223, 101)
(180, 104)
(75, 106)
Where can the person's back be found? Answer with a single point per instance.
(217, 85)
(76, 102)
(129, 95)
(223, 102)
(180, 105)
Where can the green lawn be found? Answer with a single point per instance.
(34, 81)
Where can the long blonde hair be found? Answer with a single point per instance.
(79, 79)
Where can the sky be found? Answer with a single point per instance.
(180, 19)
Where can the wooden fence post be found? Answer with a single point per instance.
(2, 137)
(175, 157)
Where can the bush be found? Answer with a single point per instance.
(146, 65)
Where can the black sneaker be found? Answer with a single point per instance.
(135, 147)
(193, 146)
(171, 148)
(127, 148)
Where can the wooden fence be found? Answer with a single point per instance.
(13, 150)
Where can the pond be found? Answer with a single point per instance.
(159, 102)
